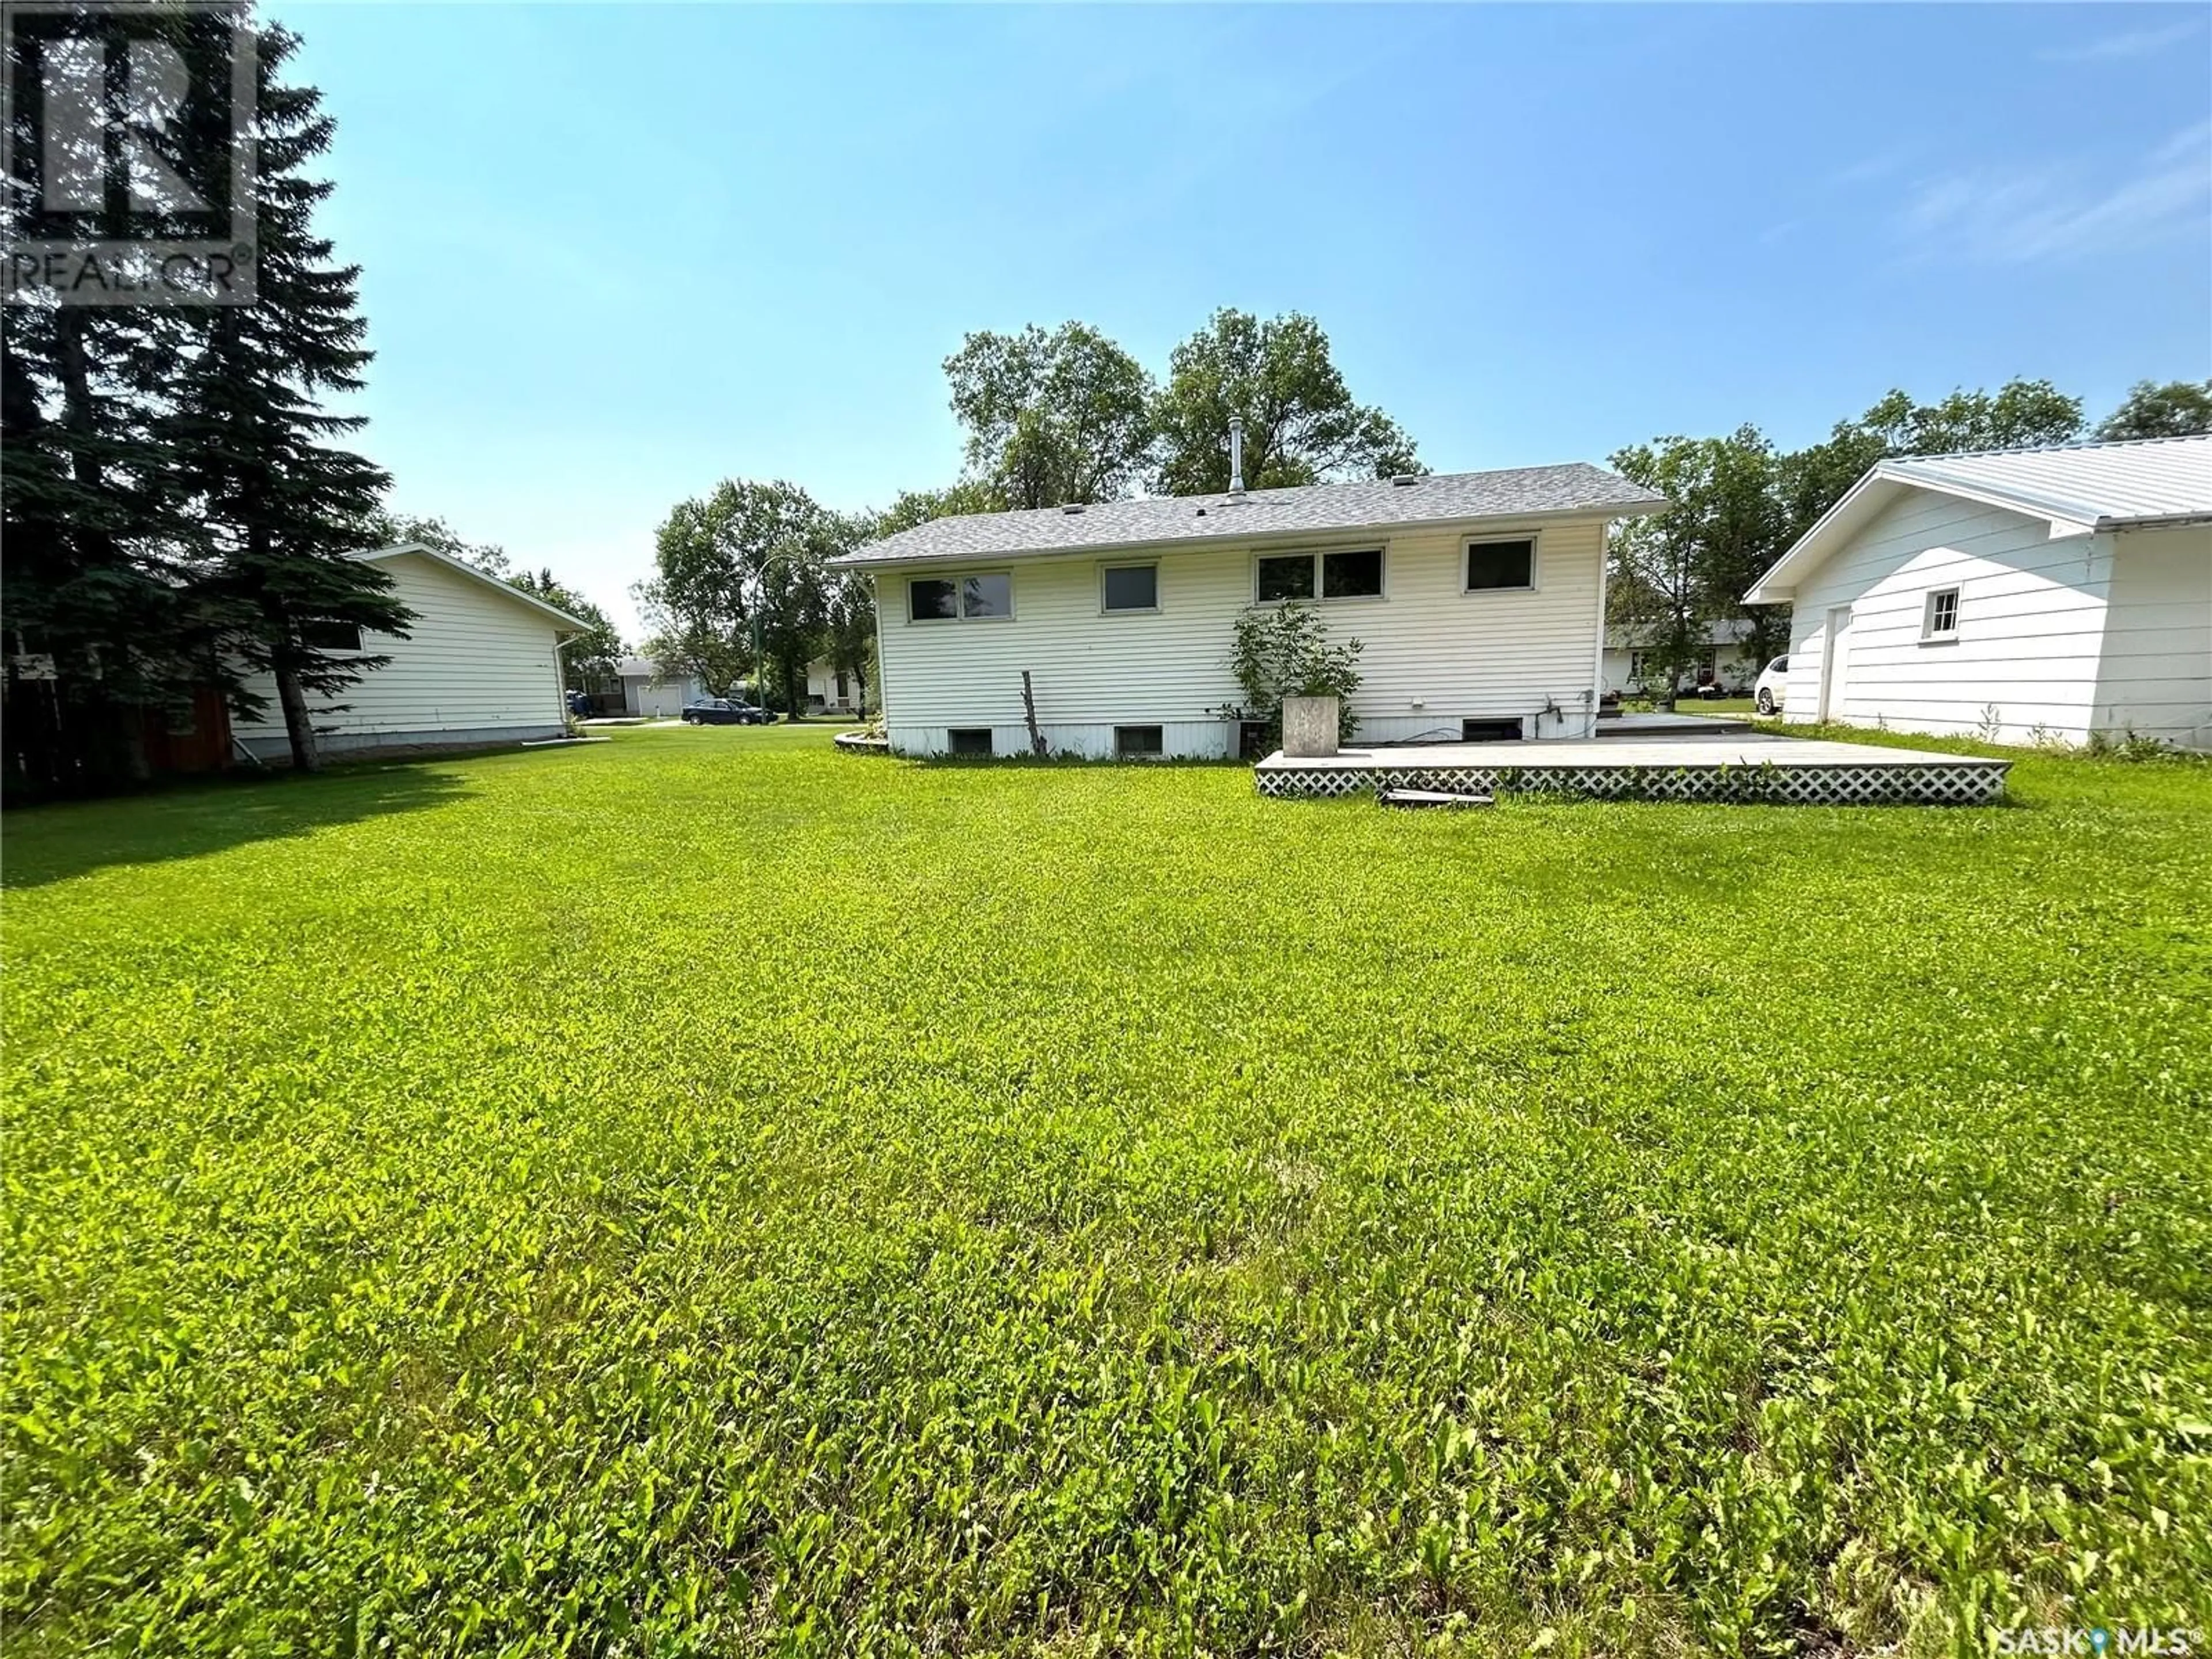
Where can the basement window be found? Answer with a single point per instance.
(1490, 730)
(1505, 566)
(1939, 620)
(1137, 742)
(968, 740)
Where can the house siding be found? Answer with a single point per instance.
(2155, 677)
(2031, 624)
(1434, 655)
(474, 668)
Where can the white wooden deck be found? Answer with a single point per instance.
(1747, 767)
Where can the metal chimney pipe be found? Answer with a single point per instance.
(1236, 454)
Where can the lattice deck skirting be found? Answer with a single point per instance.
(1962, 782)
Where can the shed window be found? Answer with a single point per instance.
(330, 635)
(1940, 620)
(1136, 742)
(968, 740)
(1130, 587)
(1506, 565)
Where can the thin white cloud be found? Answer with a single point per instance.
(2129, 43)
(2011, 217)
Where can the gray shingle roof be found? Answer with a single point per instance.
(1522, 492)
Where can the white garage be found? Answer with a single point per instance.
(2021, 595)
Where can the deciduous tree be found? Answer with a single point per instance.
(740, 578)
(1675, 573)
(1301, 423)
(1051, 418)
(2020, 414)
(2179, 408)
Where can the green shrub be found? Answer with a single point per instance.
(1284, 651)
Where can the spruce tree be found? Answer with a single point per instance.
(96, 575)
(283, 507)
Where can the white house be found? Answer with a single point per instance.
(1478, 597)
(651, 690)
(479, 664)
(832, 690)
(1723, 658)
(2022, 594)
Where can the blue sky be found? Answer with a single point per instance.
(614, 254)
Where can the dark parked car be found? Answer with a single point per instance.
(721, 711)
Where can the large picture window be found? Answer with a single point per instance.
(1354, 574)
(955, 599)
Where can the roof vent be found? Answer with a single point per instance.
(1073, 506)
(1402, 479)
(1236, 455)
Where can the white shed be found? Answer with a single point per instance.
(2022, 595)
(479, 666)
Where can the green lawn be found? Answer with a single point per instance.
(702, 1193)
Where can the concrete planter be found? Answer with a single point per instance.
(1308, 727)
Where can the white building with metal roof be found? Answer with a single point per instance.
(2023, 595)
(1478, 598)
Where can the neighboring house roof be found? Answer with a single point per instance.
(561, 619)
(644, 668)
(2077, 487)
(1721, 630)
(1529, 492)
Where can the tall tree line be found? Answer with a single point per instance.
(181, 503)
(1739, 502)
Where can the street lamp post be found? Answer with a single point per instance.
(760, 626)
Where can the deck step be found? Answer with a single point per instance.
(1428, 798)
